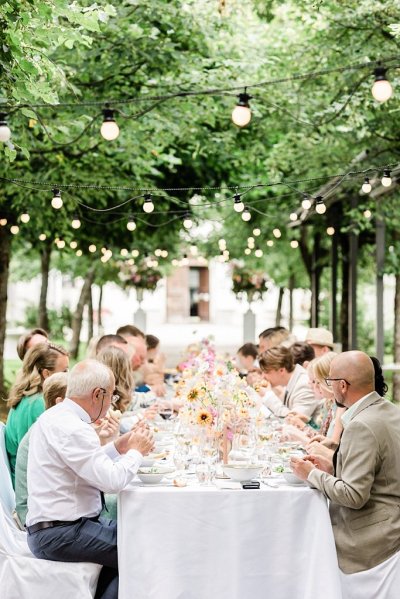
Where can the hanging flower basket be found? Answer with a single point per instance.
(248, 284)
(139, 276)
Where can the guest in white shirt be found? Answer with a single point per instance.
(68, 472)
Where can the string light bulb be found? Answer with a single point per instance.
(187, 222)
(14, 229)
(366, 186)
(320, 207)
(42, 237)
(25, 218)
(270, 243)
(222, 244)
(135, 253)
(381, 89)
(241, 114)
(148, 205)
(92, 248)
(78, 253)
(330, 231)
(306, 203)
(258, 253)
(61, 244)
(56, 202)
(5, 131)
(293, 216)
(247, 251)
(76, 223)
(256, 232)
(246, 216)
(386, 179)
(124, 252)
(238, 205)
(3, 222)
(109, 128)
(277, 233)
(131, 225)
(73, 245)
(294, 244)
(367, 213)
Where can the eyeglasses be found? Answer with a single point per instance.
(114, 396)
(329, 381)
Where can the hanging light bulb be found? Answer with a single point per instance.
(381, 89)
(135, 253)
(293, 216)
(61, 244)
(306, 203)
(187, 222)
(25, 218)
(78, 253)
(56, 202)
(330, 231)
(256, 232)
(366, 186)
(42, 236)
(14, 229)
(247, 251)
(124, 252)
(222, 244)
(76, 223)
(131, 225)
(238, 205)
(246, 216)
(258, 253)
(92, 248)
(277, 233)
(386, 179)
(5, 131)
(294, 244)
(320, 207)
(148, 205)
(73, 245)
(241, 114)
(270, 243)
(3, 222)
(109, 128)
(164, 254)
(367, 213)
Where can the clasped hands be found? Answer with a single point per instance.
(303, 466)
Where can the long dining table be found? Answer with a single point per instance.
(204, 542)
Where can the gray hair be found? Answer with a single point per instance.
(86, 376)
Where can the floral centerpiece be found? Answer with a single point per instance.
(252, 283)
(139, 276)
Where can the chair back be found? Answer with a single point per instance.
(7, 495)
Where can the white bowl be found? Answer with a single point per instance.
(147, 461)
(241, 472)
(292, 479)
(153, 475)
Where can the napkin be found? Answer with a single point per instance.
(226, 484)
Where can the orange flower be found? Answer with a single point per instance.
(204, 418)
(193, 394)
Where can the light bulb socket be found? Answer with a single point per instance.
(56, 193)
(380, 74)
(3, 119)
(108, 116)
(243, 99)
(386, 173)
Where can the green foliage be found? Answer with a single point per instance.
(58, 320)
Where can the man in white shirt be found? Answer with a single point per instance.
(68, 472)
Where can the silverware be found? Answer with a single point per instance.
(269, 483)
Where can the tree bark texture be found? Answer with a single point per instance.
(90, 314)
(5, 253)
(43, 317)
(78, 314)
(278, 317)
(344, 306)
(99, 309)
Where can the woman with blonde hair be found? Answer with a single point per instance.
(118, 361)
(26, 395)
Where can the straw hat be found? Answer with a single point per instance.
(319, 336)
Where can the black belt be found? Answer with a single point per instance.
(53, 523)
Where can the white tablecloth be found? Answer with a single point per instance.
(209, 543)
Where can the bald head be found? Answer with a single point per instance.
(356, 375)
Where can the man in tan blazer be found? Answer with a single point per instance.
(364, 485)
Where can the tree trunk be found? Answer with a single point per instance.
(278, 317)
(5, 253)
(78, 315)
(43, 317)
(396, 376)
(291, 289)
(344, 307)
(90, 314)
(99, 309)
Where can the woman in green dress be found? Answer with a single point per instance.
(26, 398)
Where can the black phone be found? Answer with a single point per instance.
(253, 484)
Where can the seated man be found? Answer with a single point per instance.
(362, 481)
(68, 472)
(279, 369)
(247, 357)
(321, 340)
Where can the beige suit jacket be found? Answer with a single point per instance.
(300, 397)
(365, 493)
